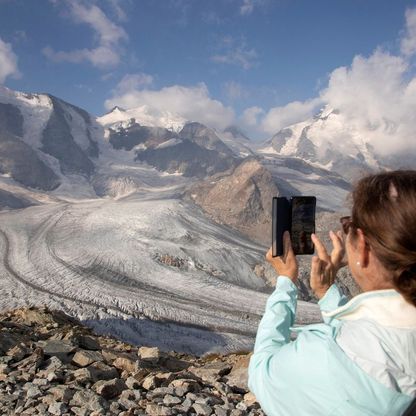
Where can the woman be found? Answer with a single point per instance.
(362, 359)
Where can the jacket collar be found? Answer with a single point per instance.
(386, 307)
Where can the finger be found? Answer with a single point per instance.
(338, 244)
(269, 254)
(315, 267)
(320, 248)
(287, 245)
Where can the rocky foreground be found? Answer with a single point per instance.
(51, 364)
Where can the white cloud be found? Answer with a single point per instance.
(132, 82)
(8, 62)
(192, 103)
(279, 117)
(108, 37)
(408, 42)
(235, 52)
(377, 97)
(250, 116)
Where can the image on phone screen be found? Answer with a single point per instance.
(303, 224)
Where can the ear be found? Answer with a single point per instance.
(363, 248)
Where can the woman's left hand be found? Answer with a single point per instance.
(285, 265)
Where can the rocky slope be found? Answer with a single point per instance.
(50, 364)
(241, 200)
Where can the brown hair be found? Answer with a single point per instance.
(384, 207)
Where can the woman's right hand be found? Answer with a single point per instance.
(324, 267)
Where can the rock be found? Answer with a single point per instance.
(84, 341)
(150, 382)
(250, 399)
(170, 400)
(44, 316)
(127, 404)
(132, 383)
(211, 372)
(109, 388)
(32, 362)
(4, 369)
(101, 371)
(18, 352)
(237, 412)
(80, 411)
(148, 354)
(88, 399)
(62, 393)
(165, 378)
(208, 400)
(82, 375)
(186, 405)
(220, 411)
(58, 408)
(202, 409)
(33, 392)
(84, 358)
(156, 410)
(183, 386)
(241, 406)
(58, 348)
(127, 364)
(238, 378)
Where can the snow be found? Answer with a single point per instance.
(36, 110)
(143, 115)
(98, 260)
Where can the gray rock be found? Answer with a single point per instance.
(127, 403)
(84, 358)
(132, 383)
(58, 348)
(148, 354)
(202, 409)
(62, 393)
(170, 400)
(160, 392)
(33, 392)
(150, 382)
(186, 405)
(58, 408)
(237, 412)
(128, 364)
(156, 410)
(183, 386)
(220, 411)
(109, 388)
(87, 399)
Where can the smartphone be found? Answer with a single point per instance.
(297, 216)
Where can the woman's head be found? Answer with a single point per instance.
(384, 215)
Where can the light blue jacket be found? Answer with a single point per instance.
(361, 361)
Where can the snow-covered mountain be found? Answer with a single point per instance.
(145, 218)
(327, 141)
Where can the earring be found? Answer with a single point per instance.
(358, 263)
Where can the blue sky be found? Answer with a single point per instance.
(236, 60)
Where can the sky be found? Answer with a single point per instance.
(259, 64)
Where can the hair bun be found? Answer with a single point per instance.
(406, 283)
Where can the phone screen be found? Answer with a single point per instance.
(280, 223)
(303, 224)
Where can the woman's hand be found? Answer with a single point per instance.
(287, 264)
(324, 267)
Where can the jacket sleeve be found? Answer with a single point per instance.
(332, 300)
(273, 331)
